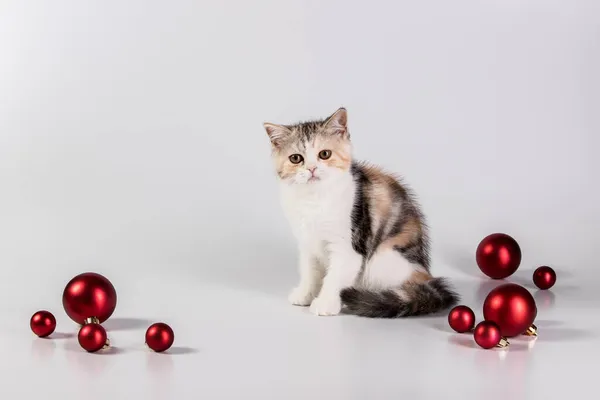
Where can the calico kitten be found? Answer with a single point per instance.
(362, 238)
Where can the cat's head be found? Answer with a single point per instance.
(311, 152)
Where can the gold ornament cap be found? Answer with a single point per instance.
(503, 343)
(91, 320)
(531, 331)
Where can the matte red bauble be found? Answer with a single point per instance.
(498, 255)
(487, 335)
(92, 337)
(544, 277)
(89, 295)
(461, 319)
(42, 323)
(512, 308)
(159, 337)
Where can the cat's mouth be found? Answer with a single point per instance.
(313, 179)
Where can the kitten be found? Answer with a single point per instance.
(362, 238)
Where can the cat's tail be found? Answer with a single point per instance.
(412, 299)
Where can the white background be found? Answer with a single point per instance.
(131, 144)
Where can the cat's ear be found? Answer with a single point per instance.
(276, 133)
(337, 123)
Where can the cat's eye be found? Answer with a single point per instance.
(324, 154)
(296, 158)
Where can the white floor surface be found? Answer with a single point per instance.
(237, 338)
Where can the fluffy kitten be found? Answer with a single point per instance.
(362, 238)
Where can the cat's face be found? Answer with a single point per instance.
(312, 152)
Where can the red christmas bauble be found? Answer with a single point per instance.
(92, 337)
(544, 277)
(42, 323)
(487, 334)
(498, 255)
(511, 307)
(159, 337)
(89, 295)
(461, 319)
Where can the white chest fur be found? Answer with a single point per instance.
(320, 213)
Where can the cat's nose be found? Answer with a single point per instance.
(312, 170)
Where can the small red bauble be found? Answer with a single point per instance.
(487, 335)
(544, 277)
(159, 337)
(498, 255)
(89, 295)
(461, 319)
(42, 323)
(92, 337)
(512, 308)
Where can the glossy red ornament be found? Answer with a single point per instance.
(42, 323)
(487, 335)
(512, 308)
(92, 337)
(544, 277)
(498, 255)
(89, 295)
(461, 319)
(159, 337)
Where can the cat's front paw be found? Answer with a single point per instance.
(301, 297)
(326, 305)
